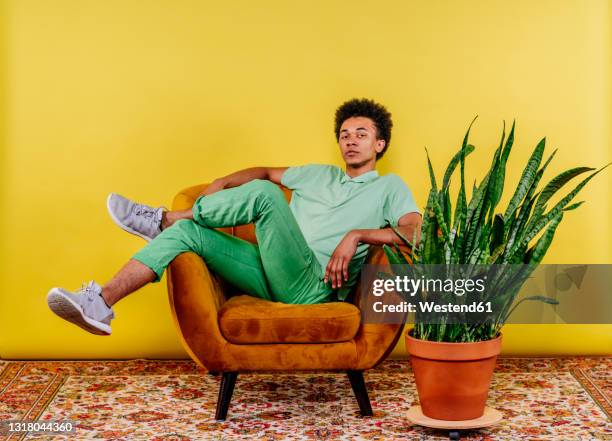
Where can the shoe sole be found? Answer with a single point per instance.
(71, 311)
(121, 224)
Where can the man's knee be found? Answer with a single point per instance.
(267, 189)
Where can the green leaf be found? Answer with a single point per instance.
(555, 185)
(543, 220)
(542, 299)
(500, 173)
(527, 178)
(443, 227)
(473, 216)
(428, 217)
(543, 243)
(431, 248)
(573, 206)
(394, 257)
(509, 144)
(495, 254)
(432, 176)
(402, 237)
(511, 230)
(517, 230)
(497, 232)
(453, 164)
(446, 206)
(461, 210)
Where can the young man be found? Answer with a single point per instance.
(308, 251)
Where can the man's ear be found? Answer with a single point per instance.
(380, 145)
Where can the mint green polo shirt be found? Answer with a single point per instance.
(327, 204)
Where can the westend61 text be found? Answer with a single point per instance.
(432, 307)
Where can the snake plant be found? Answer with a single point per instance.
(477, 232)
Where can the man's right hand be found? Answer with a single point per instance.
(337, 267)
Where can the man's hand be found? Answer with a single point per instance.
(337, 268)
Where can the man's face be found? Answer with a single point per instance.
(358, 143)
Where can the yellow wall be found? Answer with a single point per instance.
(146, 98)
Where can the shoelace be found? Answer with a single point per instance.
(140, 210)
(88, 291)
(150, 214)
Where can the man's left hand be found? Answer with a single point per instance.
(337, 268)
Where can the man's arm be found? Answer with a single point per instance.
(273, 174)
(406, 225)
(337, 268)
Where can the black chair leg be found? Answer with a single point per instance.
(225, 394)
(361, 393)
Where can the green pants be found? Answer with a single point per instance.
(281, 267)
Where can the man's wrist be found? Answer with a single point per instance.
(215, 186)
(355, 236)
(219, 183)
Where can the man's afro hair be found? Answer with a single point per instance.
(369, 109)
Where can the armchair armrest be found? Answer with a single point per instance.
(195, 296)
(374, 342)
(185, 199)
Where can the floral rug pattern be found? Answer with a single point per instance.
(566, 399)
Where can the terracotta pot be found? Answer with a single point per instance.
(453, 379)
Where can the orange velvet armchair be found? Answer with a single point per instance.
(227, 332)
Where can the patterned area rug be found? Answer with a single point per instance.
(541, 399)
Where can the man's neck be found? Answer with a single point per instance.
(354, 171)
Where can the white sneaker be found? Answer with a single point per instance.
(139, 219)
(86, 308)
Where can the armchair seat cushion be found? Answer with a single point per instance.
(250, 320)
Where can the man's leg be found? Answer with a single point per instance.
(293, 272)
(294, 275)
(234, 259)
(133, 276)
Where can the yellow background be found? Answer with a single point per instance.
(146, 98)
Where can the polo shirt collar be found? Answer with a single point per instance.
(366, 177)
